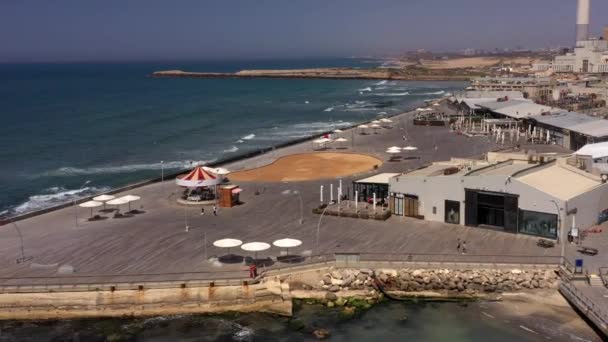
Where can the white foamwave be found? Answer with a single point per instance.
(231, 150)
(303, 130)
(248, 137)
(394, 94)
(243, 334)
(240, 141)
(307, 102)
(328, 109)
(365, 89)
(382, 82)
(54, 196)
(66, 171)
(433, 93)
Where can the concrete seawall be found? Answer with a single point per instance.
(270, 296)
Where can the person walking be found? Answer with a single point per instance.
(253, 271)
(458, 246)
(464, 247)
(214, 210)
(202, 211)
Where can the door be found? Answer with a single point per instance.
(470, 217)
(397, 205)
(452, 212)
(410, 206)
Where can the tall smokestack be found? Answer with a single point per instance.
(582, 20)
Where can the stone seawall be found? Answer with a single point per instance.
(269, 296)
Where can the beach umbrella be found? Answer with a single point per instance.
(341, 140)
(376, 121)
(394, 148)
(90, 204)
(227, 243)
(104, 199)
(287, 243)
(410, 148)
(363, 128)
(118, 202)
(131, 198)
(255, 247)
(375, 127)
(420, 109)
(338, 131)
(385, 120)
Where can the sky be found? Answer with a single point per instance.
(114, 30)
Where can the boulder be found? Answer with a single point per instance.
(336, 275)
(335, 281)
(362, 277)
(516, 271)
(417, 273)
(340, 301)
(327, 279)
(383, 277)
(334, 288)
(330, 296)
(331, 304)
(366, 271)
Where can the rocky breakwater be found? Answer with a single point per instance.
(437, 282)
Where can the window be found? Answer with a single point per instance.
(540, 224)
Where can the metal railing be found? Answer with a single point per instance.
(594, 312)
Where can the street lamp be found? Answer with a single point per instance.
(560, 235)
(319, 229)
(74, 202)
(297, 193)
(22, 258)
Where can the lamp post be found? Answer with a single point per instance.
(560, 234)
(186, 218)
(319, 230)
(22, 258)
(74, 202)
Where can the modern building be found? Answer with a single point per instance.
(541, 195)
(539, 88)
(377, 184)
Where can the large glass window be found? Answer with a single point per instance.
(540, 224)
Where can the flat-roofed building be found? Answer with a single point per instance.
(517, 195)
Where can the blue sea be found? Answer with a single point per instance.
(111, 124)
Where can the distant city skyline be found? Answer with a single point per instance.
(114, 30)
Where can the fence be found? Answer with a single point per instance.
(236, 275)
(593, 311)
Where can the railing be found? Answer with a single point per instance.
(237, 276)
(594, 312)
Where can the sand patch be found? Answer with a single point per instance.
(309, 166)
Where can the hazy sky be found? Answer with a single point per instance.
(57, 30)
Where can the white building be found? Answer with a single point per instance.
(510, 192)
(589, 56)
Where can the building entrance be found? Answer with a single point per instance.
(491, 209)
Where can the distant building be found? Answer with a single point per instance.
(589, 57)
(539, 88)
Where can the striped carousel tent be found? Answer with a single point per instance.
(199, 177)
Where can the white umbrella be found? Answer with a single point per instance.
(130, 198)
(118, 202)
(255, 247)
(436, 104)
(338, 131)
(420, 109)
(287, 243)
(410, 148)
(341, 140)
(394, 148)
(386, 120)
(374, 126)
(376, 121)
(104, 199)
(90, 204)
(227, 243)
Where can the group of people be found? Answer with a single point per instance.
(214, 210)
(461, 247)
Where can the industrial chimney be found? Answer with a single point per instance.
(582, 20)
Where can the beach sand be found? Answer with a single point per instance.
(309, 166)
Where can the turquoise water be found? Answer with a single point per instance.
(111, 124)
(391, 321)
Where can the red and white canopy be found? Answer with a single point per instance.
(197, 178)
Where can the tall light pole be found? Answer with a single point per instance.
(319, 229)
(74, 202)
(560, 233)
(22, 258)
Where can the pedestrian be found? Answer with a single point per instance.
(253, 271)
(214, 210)
(464, 247)
(458, 245)
(202, 211)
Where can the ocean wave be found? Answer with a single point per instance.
(240, 141)
(54, 196)
(433, 93)
(382, 82)
(365, 89)
(68, 171)
(393, 94)
(328, 109)
(307, 102)
(231, 150)
(248, 137)
(303, 130)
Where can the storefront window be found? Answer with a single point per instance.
(540, 224)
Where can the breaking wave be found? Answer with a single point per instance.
(365, 89)
(393, 94)
(382, 82)
(55, 196)
(328, 109)
(433, 93)
(248, 137)
(69, 171)
(231, 150)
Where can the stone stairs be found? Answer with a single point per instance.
(595, 280)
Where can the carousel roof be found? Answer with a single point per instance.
(197, 178)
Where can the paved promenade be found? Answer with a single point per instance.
(156, 242)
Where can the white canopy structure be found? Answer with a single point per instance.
(103, 198)
(410, 148)
(227, 243)
(287, 243)
(384, 120)
(376, 122)
(596, 151)
(91, 204)
(118, 202)
(255, 247)
(341, 140)
(394, 148)
(338, 130)
(220, 171)
(130, 198)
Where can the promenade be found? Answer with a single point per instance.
(155, 244)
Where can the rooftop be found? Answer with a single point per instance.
(559, 181)
(381, 178)
(599, 150)
(577, 122)
(507, 168)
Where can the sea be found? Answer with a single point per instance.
(73, 130)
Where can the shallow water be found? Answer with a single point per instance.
(389, 321)
(111, 124)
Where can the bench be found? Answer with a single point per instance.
(588, 250)
(545, 243)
